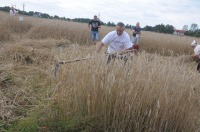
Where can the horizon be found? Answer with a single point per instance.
(159, 12)
(80, 18)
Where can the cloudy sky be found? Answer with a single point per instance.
(148, 12)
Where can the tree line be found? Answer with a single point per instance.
(195, 33)
(194, 30)
(160, 28)
(45, 15)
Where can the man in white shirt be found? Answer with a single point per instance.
(196, 55)
(118, 41)
(13, 12)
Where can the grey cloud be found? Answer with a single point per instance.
(154, 12)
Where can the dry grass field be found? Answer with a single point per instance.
(156, 91)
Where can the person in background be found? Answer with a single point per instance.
(94, 26)
(13, 12)
(196, 55)
(136, 36)
(118, 41)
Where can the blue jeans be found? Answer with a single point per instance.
(94, 35)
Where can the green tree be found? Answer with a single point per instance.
(197, 33)
(148, 28)
(194, 27)
(6, 8)
(169, 29)
(44, 15)
(56, 17)
(189, 33)
(160, 28)
(30, 13)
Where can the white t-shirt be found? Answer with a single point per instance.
(117, 43)
(13, 12)
(197, 51)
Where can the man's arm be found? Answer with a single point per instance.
(129, 50)
(194, 57)
(99, 47)
(128, 46)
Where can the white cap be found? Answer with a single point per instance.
(194, 43)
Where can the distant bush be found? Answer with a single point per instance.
(195, 33)
(160, 28)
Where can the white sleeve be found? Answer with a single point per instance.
(106, 39)
(11, 12)
(128, 43)
(197, 51)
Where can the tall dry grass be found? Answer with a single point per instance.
(150, 93)
(58, 32)
(162, 44)
(38, 28)
(4, 34)
(75, 32)
(165, 44)
(12, 23)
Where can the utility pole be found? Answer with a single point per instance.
(21, 19)
(23, 8)
(99, 17)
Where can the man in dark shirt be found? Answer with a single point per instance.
(136, 36)
(94, 26)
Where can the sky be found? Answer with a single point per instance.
(148, 12)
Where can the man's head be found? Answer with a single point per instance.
(120, 27)
(95, 18)
(193, 44)
(137, 24)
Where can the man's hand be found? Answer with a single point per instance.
(194, 57)
(89, 26)
(99, 47)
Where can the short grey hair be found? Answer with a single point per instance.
(120, 24)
